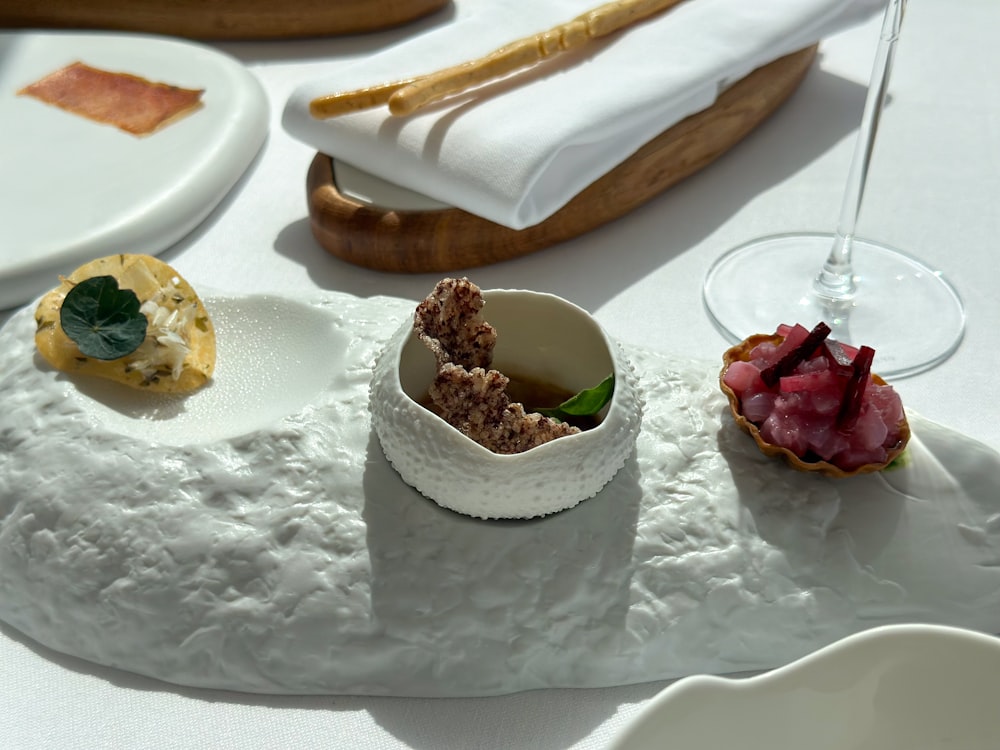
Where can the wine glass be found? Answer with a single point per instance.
(868, 293)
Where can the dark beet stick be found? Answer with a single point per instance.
(840, 361)
(854, 393)
(785, 365)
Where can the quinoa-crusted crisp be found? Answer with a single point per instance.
(451, 326)
(466, 392)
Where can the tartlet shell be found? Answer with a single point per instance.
(741, 353)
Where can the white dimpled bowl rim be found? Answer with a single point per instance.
(892, 687)
(539, 336)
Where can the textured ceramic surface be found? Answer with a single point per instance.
(891, 688)
(254, 537)
(539, 337)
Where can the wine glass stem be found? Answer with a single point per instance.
(835, 283)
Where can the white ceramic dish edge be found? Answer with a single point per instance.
(892, 687)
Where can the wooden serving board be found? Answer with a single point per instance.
(405, 241)
(218, 19)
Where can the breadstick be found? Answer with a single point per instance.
(403, 97)
(593, 24)
(331, 105)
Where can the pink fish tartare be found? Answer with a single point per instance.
(814, 401)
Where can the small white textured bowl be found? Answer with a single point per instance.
(539, 336)
(895, 687)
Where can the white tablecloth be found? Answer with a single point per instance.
(934, 190)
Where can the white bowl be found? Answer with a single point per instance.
(539, 336)
(896, 687)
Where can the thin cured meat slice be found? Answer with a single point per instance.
(128, 102)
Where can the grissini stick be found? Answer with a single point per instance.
(593, 24)
(405, 97)
(333, 105)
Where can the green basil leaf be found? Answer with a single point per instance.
(103, 320)
(585, 403)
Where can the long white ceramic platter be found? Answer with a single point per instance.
(253, 537)
(72, 189)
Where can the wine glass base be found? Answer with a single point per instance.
(906, 311)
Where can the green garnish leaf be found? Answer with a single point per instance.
(103, 320)
(585, 403)
(903, 459)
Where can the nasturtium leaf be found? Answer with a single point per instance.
(585, 403)
(101, 319)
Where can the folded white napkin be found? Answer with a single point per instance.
(518, 155)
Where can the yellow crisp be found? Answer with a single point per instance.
(178, 354)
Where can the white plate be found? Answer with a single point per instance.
(73, 189)
(897, 687)
(252, 535)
